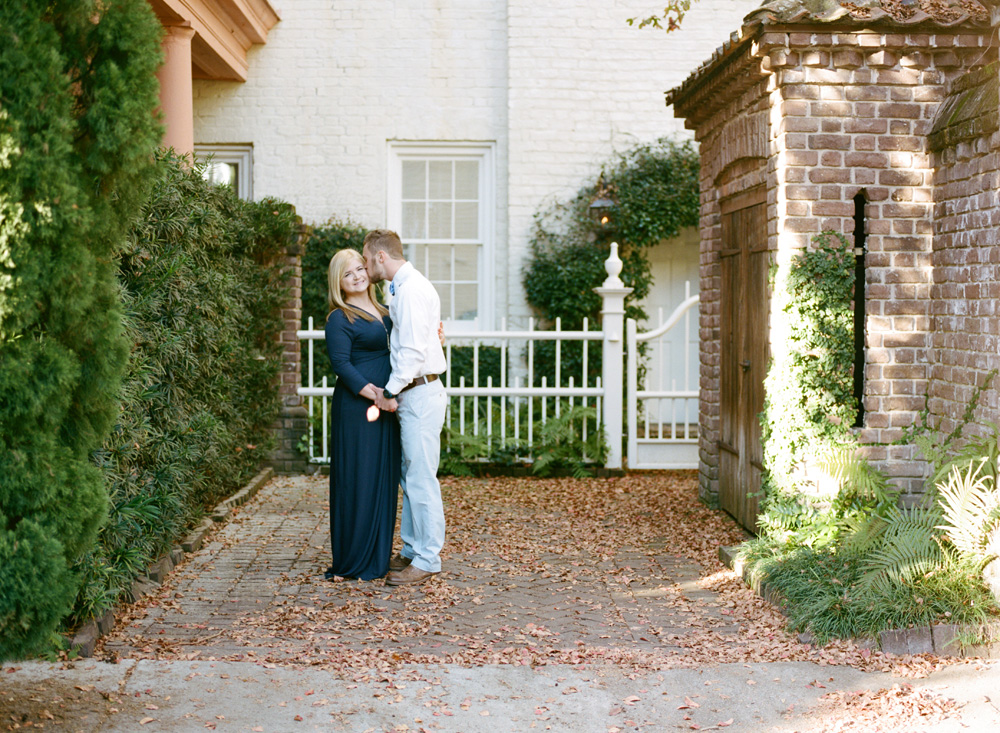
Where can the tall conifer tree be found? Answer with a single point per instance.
(77, 134)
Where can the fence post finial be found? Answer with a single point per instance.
(613, 266)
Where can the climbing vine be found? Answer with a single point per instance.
(810, 404)
(655, 189)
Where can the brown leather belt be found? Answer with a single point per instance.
(418, 381)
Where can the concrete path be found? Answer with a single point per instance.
(587, 606)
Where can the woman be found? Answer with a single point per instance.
(365, 455)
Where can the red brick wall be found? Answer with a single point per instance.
(965, 292)
(858, 110)
(292, 421)
(850, 112)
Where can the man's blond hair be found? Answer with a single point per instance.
(384, 240)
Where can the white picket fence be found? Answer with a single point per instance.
(514, 406)
(661, 423)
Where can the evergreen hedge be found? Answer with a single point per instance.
(77, 131)
(203, 288)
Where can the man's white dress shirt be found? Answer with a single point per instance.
(415, 310)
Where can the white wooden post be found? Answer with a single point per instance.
(613, 292)
(631, 390)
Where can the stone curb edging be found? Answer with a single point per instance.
(85, 638)
(942, 639)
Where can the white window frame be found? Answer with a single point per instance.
(239, 155)
(485, 154)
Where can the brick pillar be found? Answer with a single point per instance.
(292, 421)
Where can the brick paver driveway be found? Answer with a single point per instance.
(620, 570)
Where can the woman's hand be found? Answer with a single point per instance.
(368, 392)
(441, 332)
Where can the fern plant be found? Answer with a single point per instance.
(970, 506)
(908, 547)
(559, 443)
(861, 489)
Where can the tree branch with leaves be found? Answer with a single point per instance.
(669, 20)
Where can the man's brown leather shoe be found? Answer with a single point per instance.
(409, 575)
(398, 562)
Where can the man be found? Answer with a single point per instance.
(418, 397)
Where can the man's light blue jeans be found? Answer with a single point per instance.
(421, 415)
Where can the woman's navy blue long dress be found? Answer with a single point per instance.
(365, 457)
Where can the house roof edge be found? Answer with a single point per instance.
(789, 15)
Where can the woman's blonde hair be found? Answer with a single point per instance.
(335, 296)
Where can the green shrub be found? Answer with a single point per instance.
(810, 404)
(201, 281)
(463, 364)
(825, 594)
(77, 133)
(559, 443)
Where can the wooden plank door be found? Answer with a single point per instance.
(743, 354)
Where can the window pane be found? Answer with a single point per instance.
(438, 263)
(467, 179)
(444, 290)
(414, 178)
(413, 253)
(417, 254)
(221, 173)
(440, 179)
(439, 226)
(414, 220)
(466, 263)
(466, 220)
(466, 298)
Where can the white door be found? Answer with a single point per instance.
(674, 262)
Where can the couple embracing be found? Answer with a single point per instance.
(388, 410)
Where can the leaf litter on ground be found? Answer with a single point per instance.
(621, 571)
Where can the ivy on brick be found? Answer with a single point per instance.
(810, 405)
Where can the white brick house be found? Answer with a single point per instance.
(490, 108)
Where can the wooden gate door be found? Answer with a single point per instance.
(744, 353)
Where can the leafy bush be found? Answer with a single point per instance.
(202, 286)
(77, 132)
(810, 402)
(463, 364)
(824, 592)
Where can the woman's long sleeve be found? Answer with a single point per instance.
(338, 348)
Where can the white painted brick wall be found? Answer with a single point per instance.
(558, 86)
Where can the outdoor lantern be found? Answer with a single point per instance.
(602, 205)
